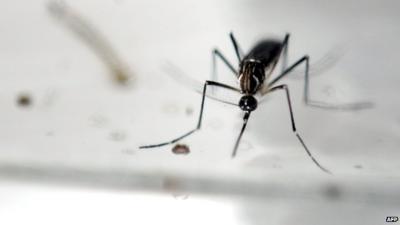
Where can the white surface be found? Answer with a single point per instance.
(82, 121)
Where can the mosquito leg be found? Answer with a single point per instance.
(238, 51)
(285, 47)
(245, 119)
(285, 87)
(216, 53)
(207, 83)
(305, 59)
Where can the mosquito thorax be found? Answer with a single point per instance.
(251, 76)
(248, 103)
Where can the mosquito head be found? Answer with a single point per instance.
(248, 103)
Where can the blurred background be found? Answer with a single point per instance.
(84, 83)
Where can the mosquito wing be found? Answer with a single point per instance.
(326, 62)
(321, 65)
(182, 78)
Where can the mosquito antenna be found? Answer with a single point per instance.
(245, 119)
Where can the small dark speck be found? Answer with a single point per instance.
(358, 166)
(24, 100)
(120, 75)
(50, 133)
(173, 186)
(189, 111)
(98, 121)
(117, 136)
(180, 149)
(332, 192)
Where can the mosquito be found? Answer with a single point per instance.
(253, 75)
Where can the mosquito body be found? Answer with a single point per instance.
(254, 71)
(253, 75)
